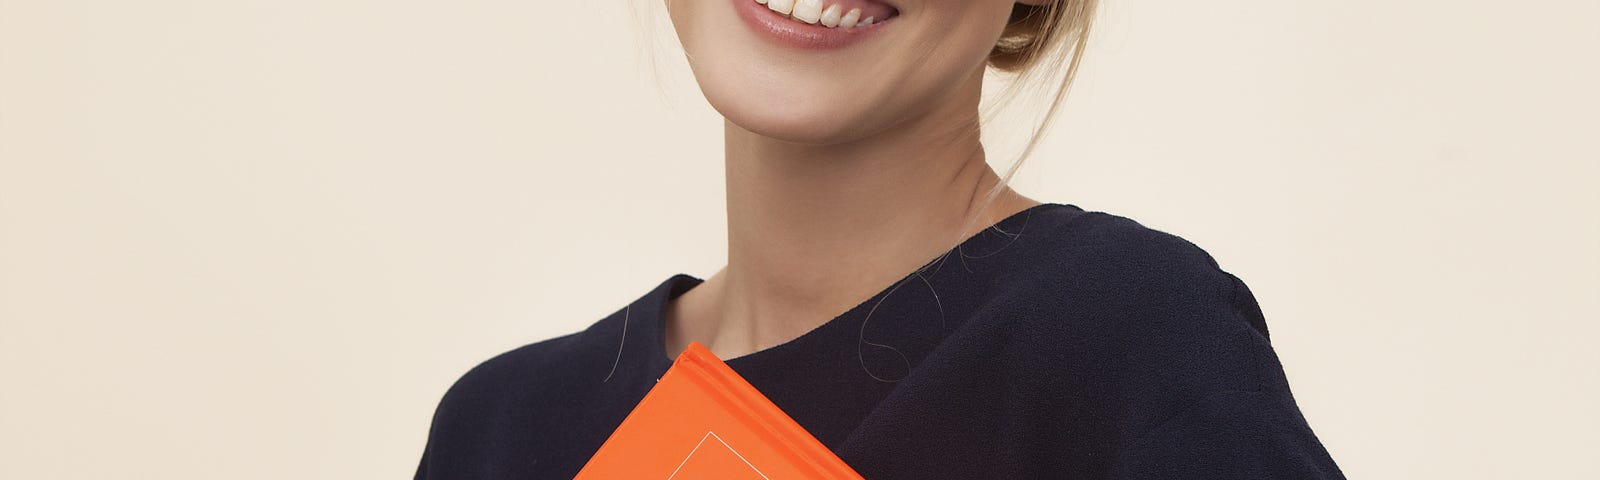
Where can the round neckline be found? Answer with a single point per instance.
(680, 283)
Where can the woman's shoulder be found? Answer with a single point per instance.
(1149, 312)
(1101, 252)
(1104, 238)
(512, 376)
(536, 373)
(554, 397)
(1177, 343)
(1117, 278)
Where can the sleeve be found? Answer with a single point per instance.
(1230, 434)
(461, 409)
(422, 466)
(429, 445)
(1206, 395)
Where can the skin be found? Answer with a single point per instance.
(846, 169)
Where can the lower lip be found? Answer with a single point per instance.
(793, 33)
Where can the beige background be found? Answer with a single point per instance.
(258, 239)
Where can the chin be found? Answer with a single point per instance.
(806, 121)
(793, 126)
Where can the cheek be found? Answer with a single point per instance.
(966, 30)
(685, 17)
(951, 45)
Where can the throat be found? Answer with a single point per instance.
(706, 314)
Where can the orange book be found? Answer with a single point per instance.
(702, 420)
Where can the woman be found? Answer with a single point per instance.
(1055, 343)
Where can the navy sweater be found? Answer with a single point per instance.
(1059, 344)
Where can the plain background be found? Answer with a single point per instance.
(259, 239)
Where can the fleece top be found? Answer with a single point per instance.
(1059, 343)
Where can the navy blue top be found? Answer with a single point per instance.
(1058, 344)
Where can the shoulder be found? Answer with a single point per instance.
(1113, 258)
(1172, 346)
(529, 396)
(1138, 300)
(513, 368)
(505, 379)
(1101, 238)
(1151, 319)
(545, 374)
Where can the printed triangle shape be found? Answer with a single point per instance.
(714, 459)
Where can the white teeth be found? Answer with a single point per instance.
(830, 15)
(781, 6)
(809, 11)
(849, 19)
(812, 12)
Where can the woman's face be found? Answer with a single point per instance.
(822, 85)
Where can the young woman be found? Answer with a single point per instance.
(1048, 342)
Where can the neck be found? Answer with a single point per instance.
(816, 229)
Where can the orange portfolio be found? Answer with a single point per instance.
(703, 421)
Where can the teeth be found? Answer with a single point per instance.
(812, 12)
(850, 18)
(781, 6)
(809, 11)
(830, 16)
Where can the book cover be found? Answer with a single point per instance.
(703, 421)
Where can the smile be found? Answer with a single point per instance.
(816, 24)
(839, 14)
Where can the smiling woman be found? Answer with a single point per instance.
(1053, 342)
